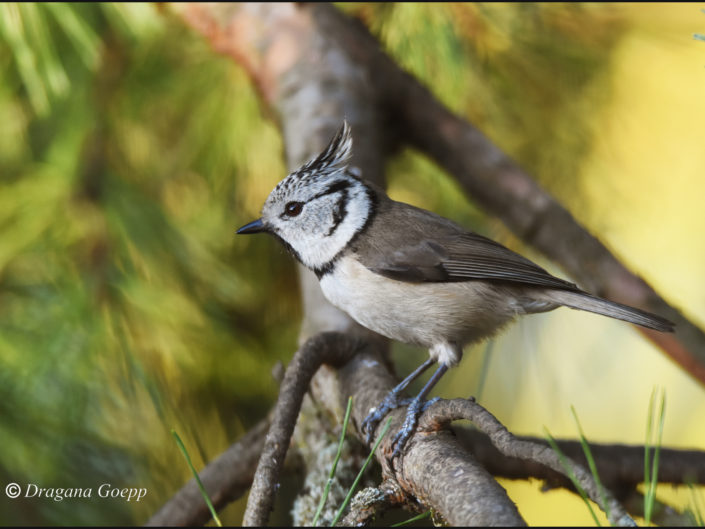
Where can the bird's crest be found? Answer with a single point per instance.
(333, 158)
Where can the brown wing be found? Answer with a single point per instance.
(414, 245)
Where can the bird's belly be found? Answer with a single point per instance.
(423, 314)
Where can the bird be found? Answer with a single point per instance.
(409, 274)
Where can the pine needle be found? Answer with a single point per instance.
(571, 474)
(591, 462)
(198, 480)
(416, 518)
(651, 465)
(346, 420)
(362, 471)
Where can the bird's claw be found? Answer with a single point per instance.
(416, 408)
(390, 402)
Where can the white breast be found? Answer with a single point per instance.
(425, 314)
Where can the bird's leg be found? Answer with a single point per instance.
(392, 401)
(416, 407)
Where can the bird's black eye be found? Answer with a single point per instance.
(293, 208)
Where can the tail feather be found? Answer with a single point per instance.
(590, 303)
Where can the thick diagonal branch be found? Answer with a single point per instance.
(435, 471)
(330, 348)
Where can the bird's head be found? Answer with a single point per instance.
(320, 207)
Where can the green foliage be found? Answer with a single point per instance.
(385, 430)
(591, 462)
(416, 518)
(201, 488)
(653, 439)
(571, 475)
(126, 306)
(696, 508)
(326, 491)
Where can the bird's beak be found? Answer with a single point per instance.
(256, 226)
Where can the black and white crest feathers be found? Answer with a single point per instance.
(333, 158)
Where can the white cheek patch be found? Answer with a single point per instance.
(320, 241)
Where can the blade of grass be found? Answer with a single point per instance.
(12, 29)
(335, 464)
(181, 446)
(39, 36)
(84, 39)
(362, 471)
(571, 474)
(697, 510)
(651, 483)
(647, 447)
(591, 462)
(416, 518)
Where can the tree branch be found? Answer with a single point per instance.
(225, 479)
(445, 411)
(435, 470)
(329, 348)
(620, 467)
(368, 503)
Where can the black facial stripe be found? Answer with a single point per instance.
(340, 185)
(330, 265)
(339, 213)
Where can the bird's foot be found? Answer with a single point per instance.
(390, 402)
(417, 406)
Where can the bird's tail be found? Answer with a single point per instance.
(585, 301)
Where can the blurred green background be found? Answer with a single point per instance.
(130, 152)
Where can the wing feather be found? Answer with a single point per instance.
(416, 246)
